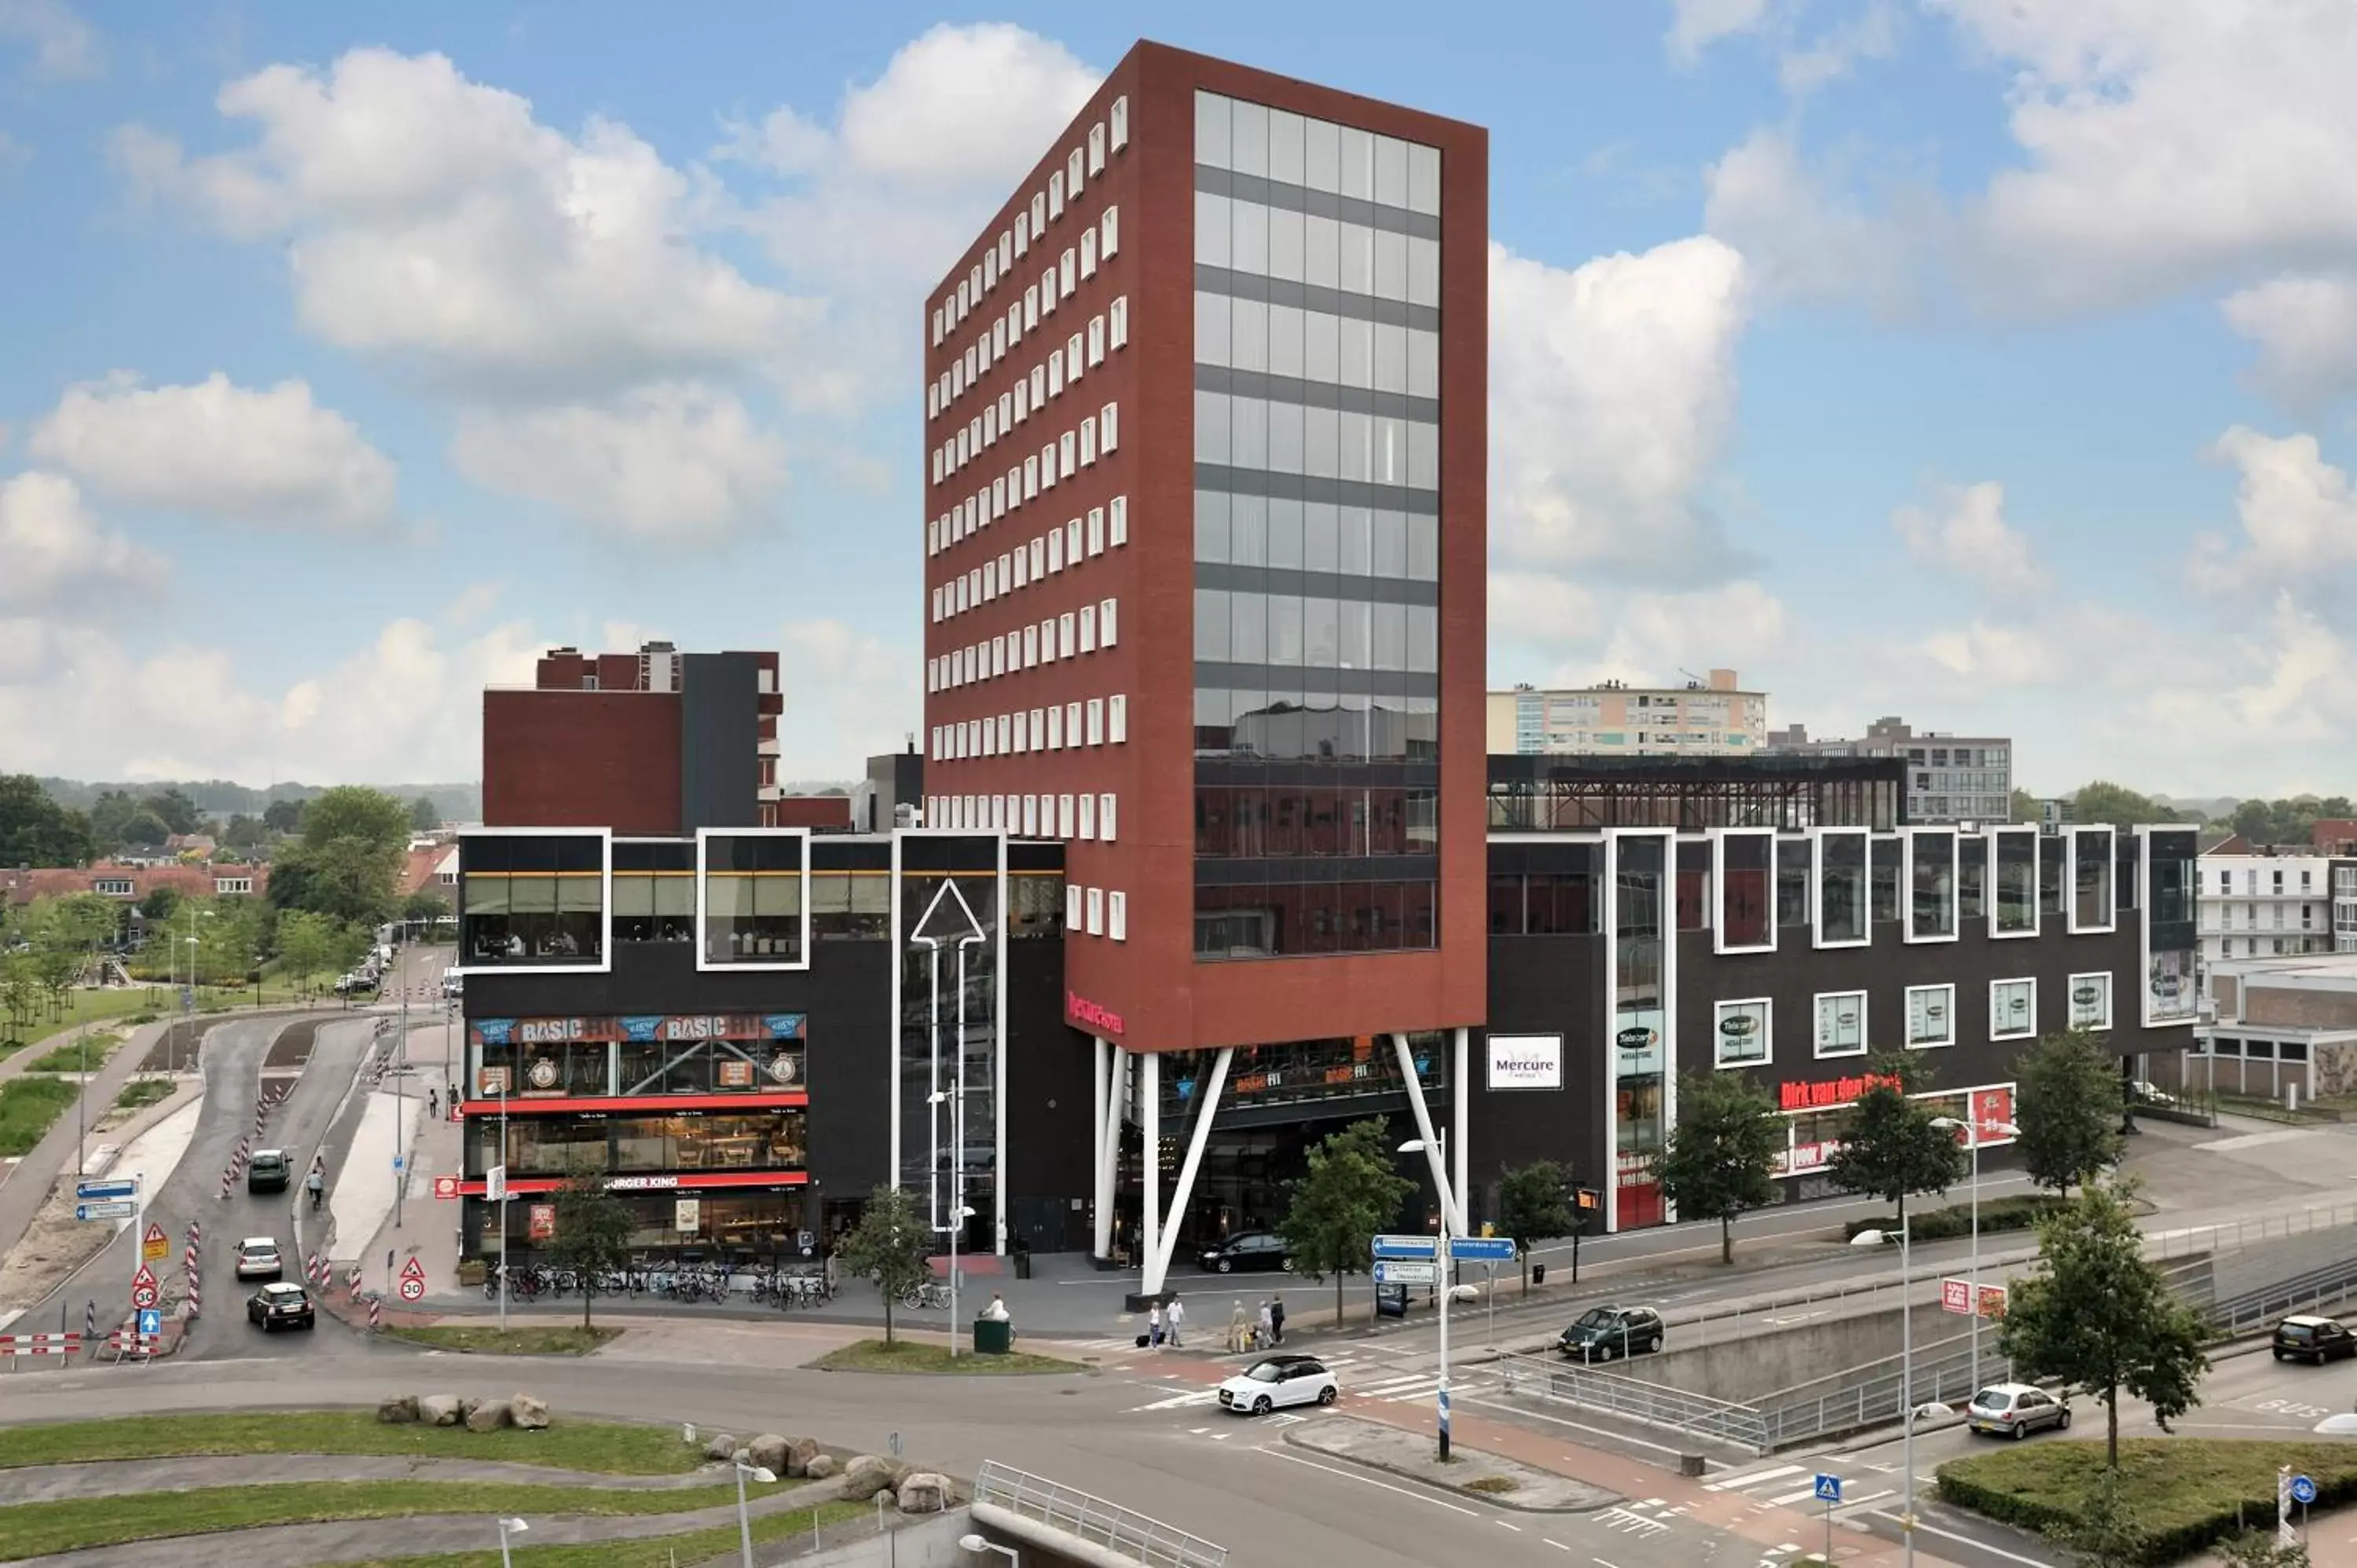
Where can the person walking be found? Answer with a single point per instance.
(434, 1103)
(1276, 1319)
(1239, 1330)
(1154, 1325)
(1175, 1317)
(1267, 1325)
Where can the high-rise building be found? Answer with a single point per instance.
(1950, 777)
(1712, 718)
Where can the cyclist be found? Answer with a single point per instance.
(316, 1184)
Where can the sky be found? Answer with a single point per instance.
(1986, 362)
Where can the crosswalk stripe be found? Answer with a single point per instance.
(1745, 1477)
(1788, 1498)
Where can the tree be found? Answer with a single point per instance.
(161, 904)
(2102, 801)
(282, 816)
(1351, 1193)
(2066, 1105)
(348, 864)
(20, 994)
(891, 1246)
(349, 811)
(1721, 1158)
(2256, 820)
(1891, 1149)
(593, 1233)
(307, 945)
(242, 833)
(424, 907)
(1535, 1205)
(172, 807)
(2025, 806)
(142, 829)
(35, 829)
(425, 816)
(2098, 1316)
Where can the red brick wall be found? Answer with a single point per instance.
(830, 811)
(574, 758)
(2296, 1007)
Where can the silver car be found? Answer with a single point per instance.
(257, 1259)
(2014, 1411)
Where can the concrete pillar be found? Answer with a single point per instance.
(1104, 1125)
(1150, 1115)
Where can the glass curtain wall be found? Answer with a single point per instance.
(1640, 1011)
(1316, 535)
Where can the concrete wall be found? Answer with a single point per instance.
(1744, 1370)
(931, 1544)
(2262, 1264)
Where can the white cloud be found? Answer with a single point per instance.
(433, 220)
(676, 464)
(1871, 34)
(1612, 394)
(848, 696)
(1968, 536)
(1803, 236)
(2299, 514)
(2306, 329)
(1695, 25)
(1645, 636)
(1994, 654)
(56, 553)
(273, 457)
(63, 44)
(962, 105)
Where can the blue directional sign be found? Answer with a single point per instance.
(1481, 1248)
(2303, 1490)
(122, 1208)
(90, 1189)
(151, 1322)
(1408, 1249)
(1828, 1489)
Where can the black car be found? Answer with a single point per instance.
(2305, 1338)
(1605, 1333)
(282, 1304)
(268, 1172)
(1248, 1249)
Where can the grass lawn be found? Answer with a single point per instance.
(142, 1092)
(647, 1552)
(875, 1355)
(489, 1340)
(2183, 1492)
(600, 1447)
(28, 1106)
(78, 1057)
(73, 1524)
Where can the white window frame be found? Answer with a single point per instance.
(1117, 521)
(1119, 122)
(2075, 832)
(1068, 454)
(1721, 1011)
(1817, 1025)
(1087, 629)
(1109, 233)
(1067, 633)
(2071, 1000)
(1087, 816)
(1907, 884)
(1108, 632)
(1096, 710)
(1067, 272)
(1109, 427)
(1907, 1016)
(1117, 323)
(1064, 817)
(1030, 816)
(1022, 232)
(1097, 148)
(1997, 832)
(1096, 341)
(1055, 537)
(1055, 195)
(1096, 911)
(2028, 1032)
(703, 837)
(1117, 719)
(1719, 944)
(1117, 915)
(1039, 213)
(1072, 901)
(1088, 252)
(1073, 541)
(1056, 726)
(1105, 812)
(1075, 172)
(1096, 532)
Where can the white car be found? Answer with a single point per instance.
(257, 1259)
(1276, 1380)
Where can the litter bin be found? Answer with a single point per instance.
(993, 1336)
(1022, 1263)
(1538, 1273)
(1390, 1301)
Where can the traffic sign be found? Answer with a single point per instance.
(412, 1270)
(413, 1290)
(445, 1187)
(105, 1188)
(1481, 1248)
(1393, 1272)
(1410, 1246)
(155, 1245)
(151, 1322)
(122, 1208)
(144, 1295)
(1828, 1489)
(2303, 1490)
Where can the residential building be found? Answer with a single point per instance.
(2265, 904)
(1712, 718)
(133, 882)
(1951, 779)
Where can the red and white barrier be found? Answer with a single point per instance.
(376, 1313)
(15, 1344)
(352, 1282)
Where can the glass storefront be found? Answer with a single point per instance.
(640, 1054)
(563, 1145)
(1639, 1058)
(950, 919)
(668, 1229)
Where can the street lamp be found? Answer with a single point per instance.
(744, 1520)
(977, 1544)
(1440, 1147)
(1906, 1379)
(509, 1527)
(1976, 1127)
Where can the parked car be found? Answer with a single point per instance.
(282, 1304)
(1279, 1380)
(2014, 1411)
(1248, 1249)
(1604, 1333)
(257, 1259)
(269, 1171)
(2307, 1337)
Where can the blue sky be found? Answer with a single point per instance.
(1984, 361)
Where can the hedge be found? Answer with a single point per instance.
(2018, 1212)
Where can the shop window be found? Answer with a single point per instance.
(532, 900)
(2013, 1009)
(850, 905)
(1841, 1024)
(1972, 881)
(1885, 859)
(754, 912)
(1745, 870)
(2091, 879)
(2016, 890)
(1930, 1017)
(1741, 1035)
(1931, 886)
(654, 892)
(1792, 873)
(2053, 852)
(2091, 1001)
(1693, 884)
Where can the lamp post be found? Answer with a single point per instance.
(959, 1212)
(497, 1177)
(1908, 1413)
(1975, 1129)
(745, 1519)
(509, 1527)
(1440, 1145)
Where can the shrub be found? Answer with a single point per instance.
(2019, 1212)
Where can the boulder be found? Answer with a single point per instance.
(925, 1492)
(819, 1467)
(440, 1410)
(722, 1448)
(865, 1476)
(467, 1404)
(396, 1411)
(769, 1452)
(800, 1452)
(529, 1411)
(489, 1415)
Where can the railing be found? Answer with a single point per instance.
(2243, 1233)
(1093, 1520)
(1874, 1393)
(1634, 1398)
(2257, 1309)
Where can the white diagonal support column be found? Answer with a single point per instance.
(1461, 1135)
(1149, 1117)
(1440, 1183)
(1207, 1105)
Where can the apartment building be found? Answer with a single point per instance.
(2259, 903)
(1950, 777)
(1701, 718)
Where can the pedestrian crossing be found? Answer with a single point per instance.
(1363, 1379)
(1770, 1486)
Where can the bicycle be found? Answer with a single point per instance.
(931, 1295)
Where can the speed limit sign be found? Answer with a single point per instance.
(413, 1290)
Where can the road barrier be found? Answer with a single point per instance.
(1091, 1519)
(61, 1345)
(376, 1313)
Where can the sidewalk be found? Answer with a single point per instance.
(362, 1200)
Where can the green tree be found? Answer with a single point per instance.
(282, 816)
(307, 945)
(2024, 805)
(891, 1246)
(1721, 1158)
(144, 830)
(2102, 801)
(2066, 1105)
(1535, 1205)
(161, 904)
(172, 807)
(21, 993)
(35, 829)
(2098, 1317)
(423, 907)
(349, 811)
(2256, 820)
(1351, 1193)
(1892, 1150)
(425, 816)
(228, 938)
(78, 920)
(593, 1233)
(349, 861)
(243, 832)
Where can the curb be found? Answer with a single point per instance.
(1292, 1439)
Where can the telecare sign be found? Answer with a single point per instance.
(1090, 1015)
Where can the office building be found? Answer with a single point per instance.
(1950, 778)
(1701, 718)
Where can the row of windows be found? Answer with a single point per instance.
(1323, 442)
(2251, 880)
(1095, 818)
(1315, 632)
(1080, 164)
(1306, 918)
(1061, 458)
(1743, 1032)
(1313, 345)
(1286, 535)
(1061, 281)
(1082, 352)
(2218, 916)
(1317, 154)
(1240, 724)
(1059, 726)
(1065, 636)
(1081, 538)
(1262, 240)
(1099, 911)
(1352, 822)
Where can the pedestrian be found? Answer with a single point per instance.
(1175, 1317)
(997, 1311)
(1267, 1325)
(434, 1103)
(318, 1184)
(1276, 1319)
(1239, 1330)
(1154, 1325)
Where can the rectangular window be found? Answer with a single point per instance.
(751, 897)
(1117, 720)
(1109, 427)
(1063, 816)
(1097, 148)
(1072, 900)
(1056, 551)
(1792, 875)
(2091, 1001)
(2091, 879)
(1117, 915)
(1096, 534)
(1056, 727)
(1089, 254)
(1931, 886)
(2015, 911)
(1087, 629)
(1096, 911)
(1073, 175)
(2013, 1009)
(1056, 194)
(1841, 1024)
(1073, 541)
(1972, 882)
(1104, 818)
(1039, 730)
(1105, 629)
(1055, 375)
(1047, 640)
(1030, 646)
(1067, 633)
(1031, 477)
(1118, 521)
(1088, 816)
(1068, 274)
(1741, 1036)
(1885, 860)
(1743, 873)
(1039, 213)
(1022, 732)
(1068, 454)
(1930, 1017)
(1022, 232)
(1096, 721)
(1119, 317)
(1096, 341)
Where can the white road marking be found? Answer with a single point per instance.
(1515, 1528)
(1969, 1541)
(1370, 1481)
(1742, 1478)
